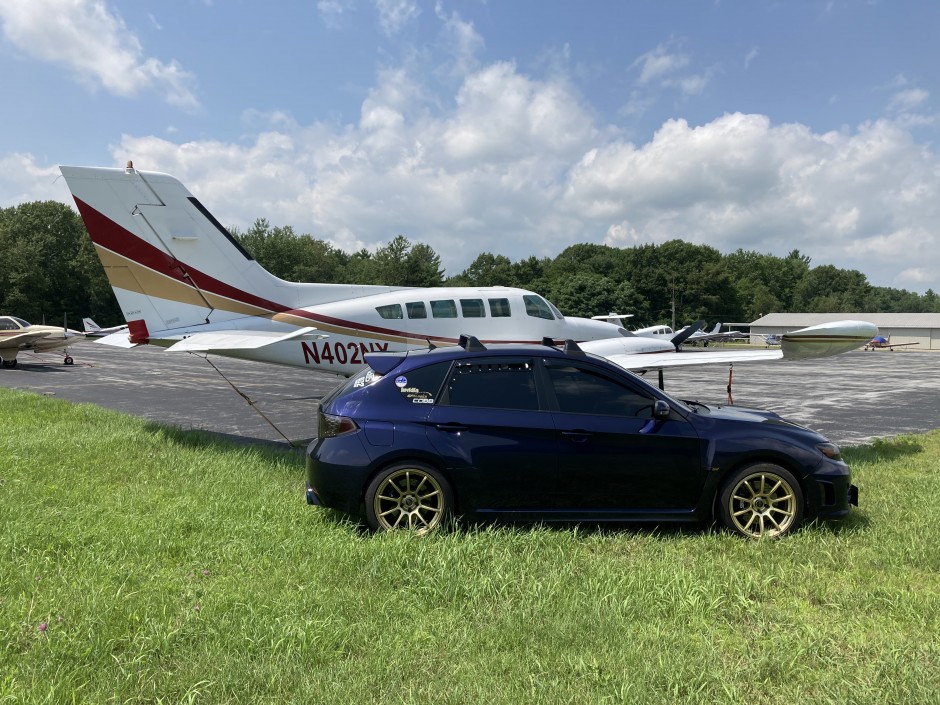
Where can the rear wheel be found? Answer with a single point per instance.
(10, 363)
(408, 496)
(762, 500)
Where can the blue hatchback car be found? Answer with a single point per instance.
(539, 433)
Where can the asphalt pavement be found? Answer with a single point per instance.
(852, 398)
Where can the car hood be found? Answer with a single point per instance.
(744, 415)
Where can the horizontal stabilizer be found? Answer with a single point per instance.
(239, 340)
(121, 339)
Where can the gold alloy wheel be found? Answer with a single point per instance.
(409, 499)
(762, 504)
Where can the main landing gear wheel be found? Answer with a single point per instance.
(761, 500)
(408, 496)
(10, 363)
(68, 360)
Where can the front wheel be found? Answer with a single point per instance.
(761, 500)
(408, 496)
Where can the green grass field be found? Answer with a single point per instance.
(140, 563)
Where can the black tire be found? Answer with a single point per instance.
(10, 363)
(410, 496)
(68, 360)
(761, 501)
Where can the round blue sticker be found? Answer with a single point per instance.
(401, 381)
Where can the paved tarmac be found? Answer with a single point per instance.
(852, 398)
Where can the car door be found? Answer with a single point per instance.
(613, 453)
(489, 429)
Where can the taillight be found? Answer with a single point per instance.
(330, 426)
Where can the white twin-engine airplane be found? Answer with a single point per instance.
(183, 282)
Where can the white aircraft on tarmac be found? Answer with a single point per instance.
(16, 335)
(183, 282)
(93, 330)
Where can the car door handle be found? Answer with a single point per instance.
(576, 436)
(453, 427)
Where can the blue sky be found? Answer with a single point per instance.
(516, 127)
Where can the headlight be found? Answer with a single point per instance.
(830, 450)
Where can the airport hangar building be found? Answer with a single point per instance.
(920, 328)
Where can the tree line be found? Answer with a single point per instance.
(49, 270)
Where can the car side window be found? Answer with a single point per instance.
(507, 384)
(581, 390)
(422, 385)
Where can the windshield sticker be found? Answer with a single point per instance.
(416, 394)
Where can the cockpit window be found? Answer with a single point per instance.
(555, 311)
(10, 323)
(537, 306)
(390, 311)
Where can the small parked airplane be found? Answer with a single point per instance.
(880, 342)
(183, 282)
(17, 334)
(93, 330)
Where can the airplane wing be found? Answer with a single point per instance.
(215, 341)
(21, 339)
(816, 341)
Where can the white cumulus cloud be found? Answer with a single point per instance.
(95, 44)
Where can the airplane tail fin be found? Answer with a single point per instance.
(90, 326)
(171, 264)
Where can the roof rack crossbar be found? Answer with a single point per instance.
(470, 343)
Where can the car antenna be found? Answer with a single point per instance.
(470, 343)
(431, 346)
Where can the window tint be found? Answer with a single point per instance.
(493, 384)
(583, 391)
(499, 308)
(416, 309)
(472, 308)
(444, 308)
(390, 311)
(536, 306)
(421, 386)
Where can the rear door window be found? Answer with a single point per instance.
(422, 385)
(494, 384)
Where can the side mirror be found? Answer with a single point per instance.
(661, 410)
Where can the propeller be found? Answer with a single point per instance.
(686, 333)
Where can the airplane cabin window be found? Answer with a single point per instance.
(444, 308)
(472, 308)
(537, 307)
(390, 311)
(416, 309)
(499, 308)
(8, 324)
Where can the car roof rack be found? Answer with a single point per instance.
(470, 343)
(570, 348)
